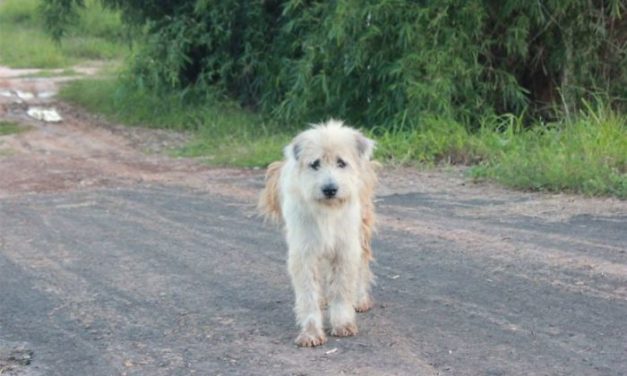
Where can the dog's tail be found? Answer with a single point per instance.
(269, 204)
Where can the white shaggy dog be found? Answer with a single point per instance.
(323, 191)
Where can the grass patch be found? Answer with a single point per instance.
(97, 35)
(224, 134)
(233, 138)
(583, 155)
(9, 127)
(436, 140)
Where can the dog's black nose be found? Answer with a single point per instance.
(329, 190)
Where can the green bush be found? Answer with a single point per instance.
(379, 63)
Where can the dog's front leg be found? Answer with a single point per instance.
(304, 271)
(345, 271)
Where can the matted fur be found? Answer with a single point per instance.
(328, 238)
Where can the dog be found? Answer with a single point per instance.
(323, 193)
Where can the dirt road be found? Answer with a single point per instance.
(119, 261)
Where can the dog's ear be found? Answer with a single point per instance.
(292, 150)
(365, 146)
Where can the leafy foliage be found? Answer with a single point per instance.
(380, 63)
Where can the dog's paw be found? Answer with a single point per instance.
(346, 330)
(364, 306)
(306, 339)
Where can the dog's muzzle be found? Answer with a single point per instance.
(329, 190)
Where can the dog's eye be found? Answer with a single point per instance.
(315, 164)
(341, 163)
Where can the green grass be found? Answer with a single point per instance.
(8, 127)
(224, 134)
(435, 141)
(583, 155)
(24, 44)
(586, 155)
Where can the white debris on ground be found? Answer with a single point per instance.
(49, 115)
(46, 94)
(25, 95)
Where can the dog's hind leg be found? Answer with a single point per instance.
(306, 282)
(363, 301)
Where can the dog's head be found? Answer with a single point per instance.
(329, 159)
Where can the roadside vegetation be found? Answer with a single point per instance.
(501, 88)
(96, 34)
(224, 133)
(585, 154)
